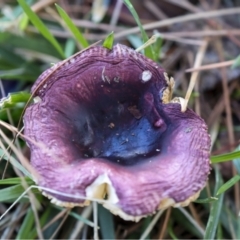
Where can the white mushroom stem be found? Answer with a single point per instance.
(194, 76)
(148, 43)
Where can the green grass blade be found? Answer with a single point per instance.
(69, 47)
(37, 22)
(228, 184)
(135, 41)
(238, 229)
(146, 222)
(225, 157)
(229, 220)
(44, 219)
(15, 163)
(216, 207)
(181, 220)
(13, 73)
(236, 62)
(10, 58)
(106, 223)
(219, 232)
(108, 42)
(10, 193)
(71, 26)
(170, 230)
(148, 50)
(15, 181)
(236, 161)
(77, 216)
(206, 200)
(158, 48)
(37, 44)
(26, 226)
(23, 22)
(14, 100)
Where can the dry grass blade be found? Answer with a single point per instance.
(194, 76)
(58, 216)
(116, 13)
(205, 33)
(19, 155)
(185, 4)
(95, 217)
(171, 35)
(164, 227)
(38, 6)
(51, 191)
(79, 225)
(34, 202)
(148, 43)
(10, 119)
(189, 217)
(151, 225)
(195, 214)
(211, 66)
(178, 39)
(154, 9)
(219, 107)
(230, 129)
(66, 212)
(10, 228)
(185, 18)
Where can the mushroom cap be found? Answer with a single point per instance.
(101, 128)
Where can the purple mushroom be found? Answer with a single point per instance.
(103, 126)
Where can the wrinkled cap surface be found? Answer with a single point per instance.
(101, 128)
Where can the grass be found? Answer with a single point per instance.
(31, 40)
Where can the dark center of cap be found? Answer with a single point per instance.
(123, 128)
